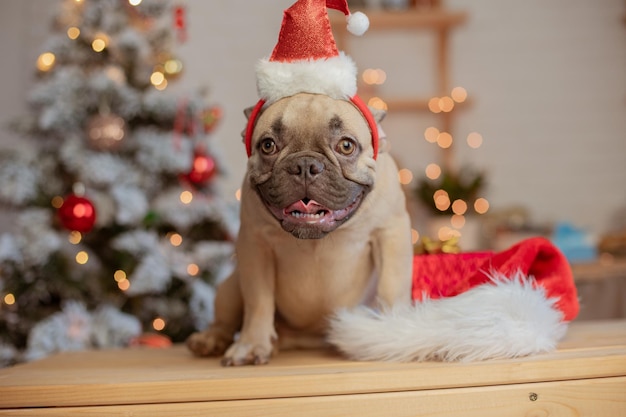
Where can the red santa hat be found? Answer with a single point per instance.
(469, 306)
(306, 60)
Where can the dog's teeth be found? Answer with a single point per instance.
(300, 215)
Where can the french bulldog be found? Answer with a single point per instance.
(324, 226)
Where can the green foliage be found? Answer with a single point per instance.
(463, 185)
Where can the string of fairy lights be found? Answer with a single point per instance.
(433, 171)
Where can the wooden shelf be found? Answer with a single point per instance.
(585, 376)
(438, 20)
(406, 19)
(601, 270)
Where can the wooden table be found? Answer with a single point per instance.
(585, 377)
(601, 288)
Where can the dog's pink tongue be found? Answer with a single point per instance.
(311, 207)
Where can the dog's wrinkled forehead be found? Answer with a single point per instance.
(312, 116)
(358, 109)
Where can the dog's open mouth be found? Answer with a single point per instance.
(310, 211)
(308, 219)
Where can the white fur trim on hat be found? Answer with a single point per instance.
(334, 77)
(502, 319)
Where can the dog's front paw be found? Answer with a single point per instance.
(210, 342)
(241, 353)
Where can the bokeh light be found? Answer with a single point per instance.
(433, 171)
(431, 134)
(405, 176)
(474, 140)
(459, 94)
(481, 205)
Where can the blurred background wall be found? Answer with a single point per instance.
(547, 82)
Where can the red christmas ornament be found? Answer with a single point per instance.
(77, 213)
(202, 169)
(210, 118)
(152, 340)
(180, 23)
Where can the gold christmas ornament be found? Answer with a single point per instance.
(427, 246)
(105, 131)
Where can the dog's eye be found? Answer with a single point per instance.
(268, 146)
(346, 146)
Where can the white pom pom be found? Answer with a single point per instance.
(358, 23)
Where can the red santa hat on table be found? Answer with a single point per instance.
(469, 306)
(306, 60)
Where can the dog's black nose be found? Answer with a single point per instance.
(307, 168)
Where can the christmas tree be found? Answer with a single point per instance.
(120, 232)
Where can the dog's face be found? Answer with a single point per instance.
(312, 163)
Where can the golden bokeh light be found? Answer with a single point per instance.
(431, 134)
(481, 205)
(446, 104)
(415, 236)
(457, 221)
(161, 86)
(57, 201)
(123, 285)
(9, 299)
(442, 200)
(474, 140)
(459, 94)
(369, 76)
(433, 105)
(158, 324)
(372, 76)
(439, 193)
(186, 197)
(405, 176)
(157, 78)
(176, 239)
(134, 2)
(82, 257)
(173, 66)
(119, 275)
(75, 237)
(73, 32)
(238, 194)
(193, 269)
(433, 171)
(459, 207)
(100, 42)
(381, 76)
(377, 103)
(46, 61)
(444, 140)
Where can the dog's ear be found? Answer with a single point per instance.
(379, 116)
(246, 112)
